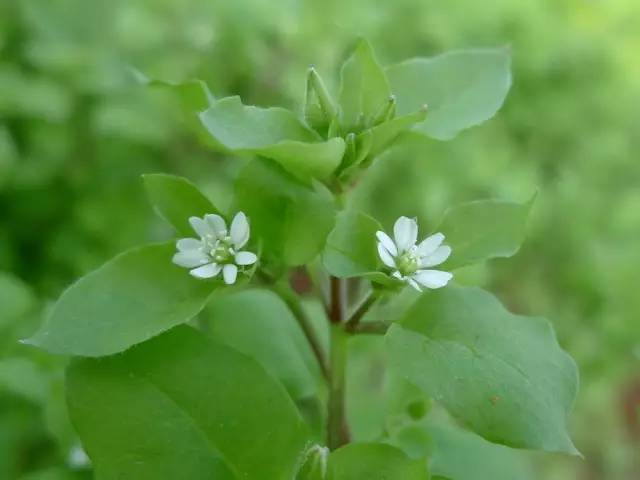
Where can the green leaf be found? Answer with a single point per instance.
(364, 88)
(135, 296)
(274, 133)
(351, 248)
(480, 459)
(290, 218)
(183, 406)
(243, 320)
(193, 95)
(461, 88)
(385, 133)
(485, 229)
(176, 199)
(374, 461)
(503, 375)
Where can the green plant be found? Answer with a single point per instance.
(254, 386)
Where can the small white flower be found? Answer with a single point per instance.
(217, 250)
(409, 260)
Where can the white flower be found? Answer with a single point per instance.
(217, 250)
(409, 260)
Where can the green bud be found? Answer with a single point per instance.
(322, 105)
(314, 465)
(387, 112)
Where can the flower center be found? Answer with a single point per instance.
(408, 263)
(220, 250)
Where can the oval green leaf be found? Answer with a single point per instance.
(275, 133)
(244, 319)
(461, 88)
(184, 406)
(291, 218)
(135, 296)
(503, 375)
(484, 229)
(176, 199)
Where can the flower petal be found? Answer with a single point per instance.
(429, 244)
(385, 256)
(432, 278)
(190, 258)
(186, 244)
(230, 272)
(398, 275)
(246, 258)
(436, 258)
(201, 227)
(206, 271)
(405, 232)
(239, 230)
(385, 240)
(217, 224)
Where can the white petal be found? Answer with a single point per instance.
(437, 257)
(239, 230)
(414, 284)
(405, 232)
(387, 242)
(190, 258)
(230, 272)
(429, 244)
(246, 258)
(206, 271)
(201, 227)
(186, 244)
(385, 256)
(432, 278)
(217, 224)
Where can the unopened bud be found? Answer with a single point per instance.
(316, 87)
(314, 464)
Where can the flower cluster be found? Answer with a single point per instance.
(217, 250)
(410, 262)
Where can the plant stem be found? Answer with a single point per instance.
(352, 324)
(337, 429)
(293, 302)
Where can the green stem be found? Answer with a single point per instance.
(353, 323)
(337, 429)
(293, 302)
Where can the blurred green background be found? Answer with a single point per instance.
(77, 130)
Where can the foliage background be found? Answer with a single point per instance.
(77, 130)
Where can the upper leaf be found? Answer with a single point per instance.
(461, 88)
(176, 199)
(503, 375)
(484, 229)
(374, 461)
(275, 133)
(183, 406)
(193, 95)
(351, 248)
(135, 296)
(364, 88)
(290, 218)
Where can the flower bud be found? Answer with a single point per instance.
(314, 465)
